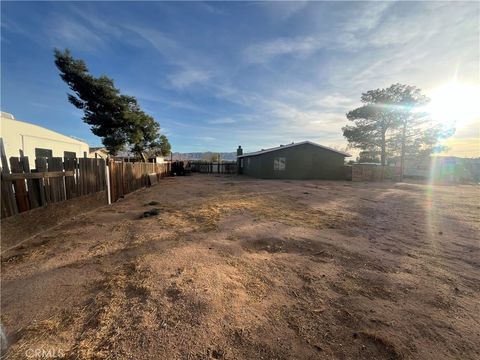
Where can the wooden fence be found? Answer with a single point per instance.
(25, 187)
(371, 172)
(212, 167)
(126, 177)
(49, 181)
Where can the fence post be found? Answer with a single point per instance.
(107, 176)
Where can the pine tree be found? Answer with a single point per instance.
(390, 123)
(116, 118)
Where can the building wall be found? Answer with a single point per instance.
(18, 135)
(304, 161)
(101, 154)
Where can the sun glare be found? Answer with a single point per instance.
(455, 104)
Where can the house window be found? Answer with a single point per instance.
(248, 162)
(69, 155)
(279, 164)
(43, 153)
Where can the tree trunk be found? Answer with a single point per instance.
(382, 154)
(402, 156)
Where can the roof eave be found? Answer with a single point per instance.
(256, 153)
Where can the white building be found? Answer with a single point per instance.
(36, 141)
(98, 152)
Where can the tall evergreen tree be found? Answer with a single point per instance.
(390, 122)
(372, 123)
(116, 118)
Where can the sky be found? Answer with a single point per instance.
(216, 75)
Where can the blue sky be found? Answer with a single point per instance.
(219, 74)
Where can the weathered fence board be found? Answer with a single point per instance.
(57, 186)
(41, 166)
(19, 186)
(9, 205)
(70, 185)
(32, 184)
(126, 177)
(56, 179)
(52, 180)
(370, 172)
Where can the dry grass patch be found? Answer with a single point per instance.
(287, 210)
(101, 322)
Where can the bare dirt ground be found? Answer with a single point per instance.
(237, 268)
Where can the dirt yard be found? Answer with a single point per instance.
(236, 268)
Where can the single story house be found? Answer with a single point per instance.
(303, 160)
(35, 141)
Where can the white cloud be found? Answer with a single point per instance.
(282, 10)
(221, 121)
(209, 7)
(193, 68)
(188, 77)
(313, 98)
(335, 101)
(334, 52)
(266, 51)
(367, 15)
(346, 33)
(160, 41)
(72, 34)
(205, 138)
(144, 95)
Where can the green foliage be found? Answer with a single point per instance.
(165, 147)
(420, 139)
(114, 117)
(162, 147)
(367, 156)
(389, 124)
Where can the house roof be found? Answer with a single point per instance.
(7, 117)
(99, 148)
(281, 147)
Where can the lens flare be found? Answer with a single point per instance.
(455, 104)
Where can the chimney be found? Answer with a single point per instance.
(239, 161)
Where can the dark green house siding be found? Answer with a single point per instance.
(304, 161)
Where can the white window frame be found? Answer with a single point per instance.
(279, 164)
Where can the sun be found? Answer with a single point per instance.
(455, 104)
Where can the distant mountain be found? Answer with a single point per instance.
(226, 156)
